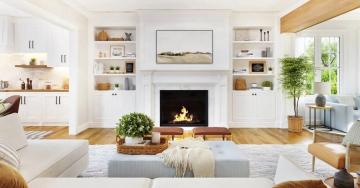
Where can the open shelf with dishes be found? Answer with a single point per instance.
(253, 58)
(114, 58)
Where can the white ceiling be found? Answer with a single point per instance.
(236, 5)
(6, 10)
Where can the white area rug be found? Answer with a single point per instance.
(263, 160)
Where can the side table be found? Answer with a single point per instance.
(313, 107)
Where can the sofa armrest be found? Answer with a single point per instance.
(320, 136)
(353, 157)
(342, 116)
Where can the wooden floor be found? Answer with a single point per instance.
(240, 136)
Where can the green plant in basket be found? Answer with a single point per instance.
(134, 126)
(267, 84)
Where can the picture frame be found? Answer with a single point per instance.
(129, 66)
(184, 46)
(117, 51)
(257, 67)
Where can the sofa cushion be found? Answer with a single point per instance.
(353, 136)
(50, 158)
(212, 182)
(91, 183)
(301, 184)
(9, 155)
(11, 132)
(347, 100)
(333, 154)
(332, 99)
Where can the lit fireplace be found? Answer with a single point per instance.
(184, 108)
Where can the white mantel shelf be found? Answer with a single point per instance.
(115, 75)
(253, 42)
(115, 42)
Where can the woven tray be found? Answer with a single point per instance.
(151, 149)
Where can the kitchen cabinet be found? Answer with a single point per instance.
(110, 106)
(58, 54)
(56, 108)
(42, 107)
(253, 108)
(32, 35)
(6, 34)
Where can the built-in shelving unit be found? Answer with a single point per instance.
(114, 57)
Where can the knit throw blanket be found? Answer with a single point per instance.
(190, 154)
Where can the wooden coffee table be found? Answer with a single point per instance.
(330, 182)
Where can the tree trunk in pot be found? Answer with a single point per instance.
(295, 124)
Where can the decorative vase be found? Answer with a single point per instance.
(102, 36)
(343, 179)
(133, 140)
(295, 124)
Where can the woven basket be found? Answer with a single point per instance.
(151, 149)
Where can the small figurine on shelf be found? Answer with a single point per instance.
(112, 69)
(261, 38)
(117, 70)
(268, 35)
(128, 36)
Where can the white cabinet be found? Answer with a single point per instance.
(253, 108)
(58, 53)
(42, 108)
(56, 108)
(31, 36)
(110, 106)
(6, 34)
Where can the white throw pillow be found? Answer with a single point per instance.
(353, 136)
(9, 156)
(11, 132)
(4, 107)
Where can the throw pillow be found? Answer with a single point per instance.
(11, 132)
(10, 177)
(357, 102)
(352, 137)
(4, 107)
(301, 184)
(9, 156)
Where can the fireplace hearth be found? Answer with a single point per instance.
(183, 108)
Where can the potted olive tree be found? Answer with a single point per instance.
(134, 127)
(293, 76)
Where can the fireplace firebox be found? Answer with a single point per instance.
(184, 108)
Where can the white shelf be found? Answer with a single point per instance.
(253, 58)
(115, 42)
(117, 75)
(115, 58)
(247, 74)
(253, 42)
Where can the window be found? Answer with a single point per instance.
(324, 53)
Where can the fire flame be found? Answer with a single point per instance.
(183, 116)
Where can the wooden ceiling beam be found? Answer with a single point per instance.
(314, 12)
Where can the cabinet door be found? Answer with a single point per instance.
(63, 108)
(58, 55)
(6, 34)
(265, 106)
(56, 108)
(103, 107)
(243, 106)
(31, 108)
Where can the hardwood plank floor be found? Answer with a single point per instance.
(240, 136)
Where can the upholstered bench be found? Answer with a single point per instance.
(169, 131)
(207, 131)
(229, 162)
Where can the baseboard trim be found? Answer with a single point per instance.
(77, 130)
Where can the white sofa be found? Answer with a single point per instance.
(286, 171)
(53, 158)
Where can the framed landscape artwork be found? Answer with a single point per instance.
(184, 46)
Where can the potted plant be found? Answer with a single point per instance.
(134, 127)
(293, 76)
(266, 85)
(117, 68)
(112, 69)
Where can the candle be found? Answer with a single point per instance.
(155, 139)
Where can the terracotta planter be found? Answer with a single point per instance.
(295, 124)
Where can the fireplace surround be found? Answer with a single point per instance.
(184, 108)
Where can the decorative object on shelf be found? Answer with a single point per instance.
(117, 39)
(102, 36)
(116, 86)
(196, 48)
(244, 53)
(270, 69)
(112, 70)
(134, 127)
(293, 76)
(117, 51)
(321, 89)
(263, 53)
(66, 83)
(264, 36)
(32, 61)
(100, 55)
(103, 86)
(261, 36)
(268, 35)
(117, 70)
(241, 70)
(129, 67)
(268, 52)
(240, 84)
(155, 137)
(257, 67)
(343, 179)
(128, 36)
(254, 85)
(23, 85)
(267, 85)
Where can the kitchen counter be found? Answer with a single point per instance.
(34, 90)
